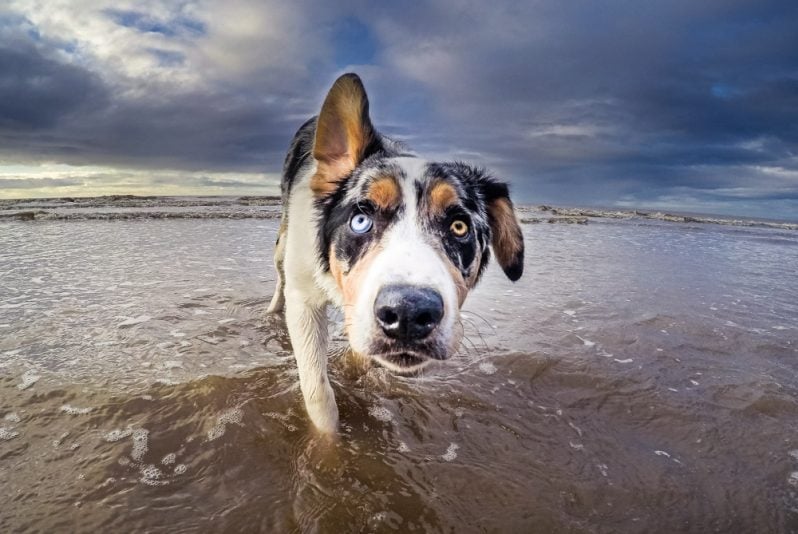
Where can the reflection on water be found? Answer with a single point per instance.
(641, 377)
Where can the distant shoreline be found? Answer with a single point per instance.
(131, 207)
(657, 215)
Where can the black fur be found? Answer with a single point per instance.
(475, 187)
(334, 213)
(491, 191)
(299, 154)
(468, 181)
(481, 189)
(349, 246)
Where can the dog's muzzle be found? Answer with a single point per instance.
(408, 313)
(407, 317)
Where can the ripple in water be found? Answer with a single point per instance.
(640, 377)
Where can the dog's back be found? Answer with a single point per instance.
(300, 155)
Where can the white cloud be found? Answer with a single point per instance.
(781, 172)
(569, 101)
(53, 179)
(239, 42)
(568, 130)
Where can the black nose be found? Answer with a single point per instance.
(408, 312)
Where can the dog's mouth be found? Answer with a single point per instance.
(406, 358)
(402, 362)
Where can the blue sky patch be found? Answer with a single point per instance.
(147, 24)
(354, 43)
(167, 58)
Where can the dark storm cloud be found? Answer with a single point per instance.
(580, 102)
(592, 101)
(54, 109)
(36, 92)
(676, 73)
(196, 132)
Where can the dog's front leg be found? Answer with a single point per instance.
(307, 326)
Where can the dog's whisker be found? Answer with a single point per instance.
(478, 332)
(473, 346)
(475, 314)
(465, 337)
(473, 327)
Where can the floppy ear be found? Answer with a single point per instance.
(506, 237)
(343, 134)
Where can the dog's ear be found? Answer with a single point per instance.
(343, 134)
(507, 240)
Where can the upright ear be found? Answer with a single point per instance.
(507, 239)
(343, 134)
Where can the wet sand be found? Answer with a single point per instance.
(641, 377)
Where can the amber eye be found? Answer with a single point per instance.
(459, 228)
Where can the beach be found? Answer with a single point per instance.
(640, 377)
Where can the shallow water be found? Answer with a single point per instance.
(641, 377)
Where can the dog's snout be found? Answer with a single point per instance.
(407, 312)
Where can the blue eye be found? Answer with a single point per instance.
(361, 223)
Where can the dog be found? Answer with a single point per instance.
(393, 239)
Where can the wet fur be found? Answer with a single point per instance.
(337, 166)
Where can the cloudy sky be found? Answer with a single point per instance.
(680, 105)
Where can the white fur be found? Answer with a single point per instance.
(305, 307)
(278, 299)
(405, 257)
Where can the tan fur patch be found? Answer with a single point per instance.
(507, 240)
(337, 268)
(350, 279)
(471, 281)
(462, 285)
(441, 196)
(328, 176)
(459, 282)
(385, 193)
(343, 131)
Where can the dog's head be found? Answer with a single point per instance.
(404, 239)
